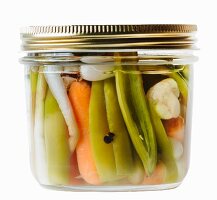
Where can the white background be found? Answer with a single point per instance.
(16, 181)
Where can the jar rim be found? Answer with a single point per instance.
(93, 37)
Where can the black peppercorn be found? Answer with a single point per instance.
(109, 138)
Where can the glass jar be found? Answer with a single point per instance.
(109, 106)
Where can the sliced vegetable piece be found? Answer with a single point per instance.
(69, 75)
(182, 168)
(39, 142)
(96, 72)
(102, 152)
(57, 148)
(31, 87)
(79, 95)
(177, 148)
(131, 120)
(164, 144)
(182, 85)
(57, 87)
(186, 72)
(158, 177)
(121, 143)
(139, 102)
(175, 128)
(33, 81)
(164, 96)
(138, 173)
(75, 177)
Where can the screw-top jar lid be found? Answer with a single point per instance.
(93, 37)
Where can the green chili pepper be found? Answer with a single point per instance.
(139, 102)
(135, 113)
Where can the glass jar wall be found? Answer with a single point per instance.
(112, 119)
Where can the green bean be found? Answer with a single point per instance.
(182, 84)
(185, 72)
(121, 144)
(102, 152)
(164, 145)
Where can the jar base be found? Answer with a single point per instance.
(125, 188)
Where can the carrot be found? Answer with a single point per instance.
(175, 128)
(158, 176)
(79, 95)
(75, 178)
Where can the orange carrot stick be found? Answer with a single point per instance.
(79, 95)
(75, 178)
(175, 128)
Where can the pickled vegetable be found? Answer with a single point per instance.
(175, 128)
(56, 141)
(31, 89)
(79, 95)
(102, 152)
(39, 142)
(97, 72)
(138, 173)
(186, 72)
(164, 96)
(182, 85)
(164, 145)
(136, 120)
(57, 87)
(121, 144)
(158, 176)
(33, 82)
(116, 126)
(139, 102)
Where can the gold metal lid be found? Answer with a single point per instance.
(94, 37)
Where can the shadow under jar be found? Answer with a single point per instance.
(109, 106)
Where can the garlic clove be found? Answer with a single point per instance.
(96, 72)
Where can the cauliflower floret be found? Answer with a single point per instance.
(164, 96)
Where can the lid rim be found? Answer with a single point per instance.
(103, 34)
(109, 29)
